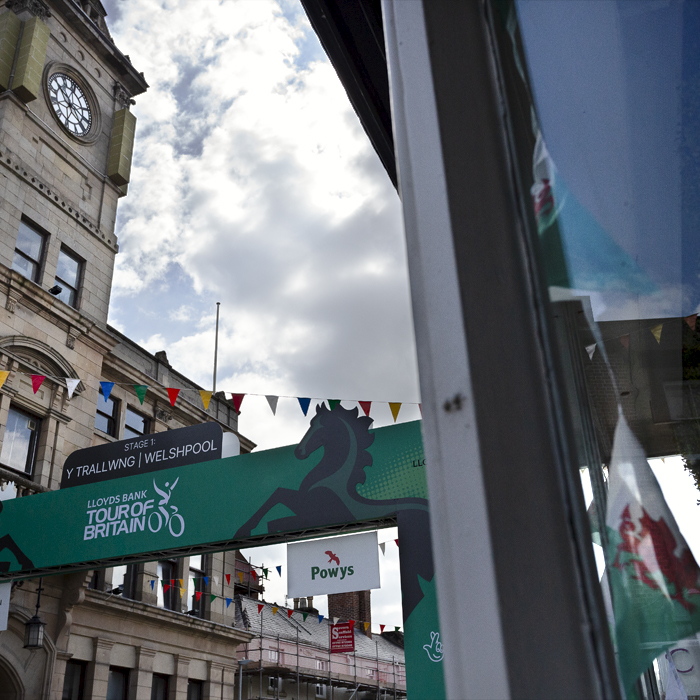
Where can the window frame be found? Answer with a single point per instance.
(146, 424)
(72, 663)
(79, 277)
(115, 413)
(166, 680)
(42, 252)
(197, 607)
(32, 451)
(124, 673)
(193, 683)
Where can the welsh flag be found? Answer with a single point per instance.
(654, 579)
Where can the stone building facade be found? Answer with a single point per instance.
(66, 138)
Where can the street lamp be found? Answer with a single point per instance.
(242, 663)
(34, 628)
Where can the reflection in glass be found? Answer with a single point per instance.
(19, 443)
(28, 252)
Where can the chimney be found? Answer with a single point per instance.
(352, 606)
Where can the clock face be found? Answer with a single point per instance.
(70, 104)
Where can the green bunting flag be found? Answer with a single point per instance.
(332, 403)
(305, 615)
(397, 629)
(141, 390)
(212, 598)
(654, 579)
(265, 572)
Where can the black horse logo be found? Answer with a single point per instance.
(7, 543)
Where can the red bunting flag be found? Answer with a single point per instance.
(260, 607)
(165, 587)
(397, 542)
(365, 406)
(381, 629)
(237, 401)
(420, 406)
(172, 395)
(228, 579)
(690, 320)
(253, 574)
(37, 379)
(289, 613)
(198, 595)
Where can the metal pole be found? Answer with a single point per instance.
(261, 652)
(376, 646)
(216, 344)
(240, 682)
(277, 689)
(297, 662)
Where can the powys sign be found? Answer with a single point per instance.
(333, 565)
(148, 453)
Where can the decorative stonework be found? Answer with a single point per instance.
(122, 97)
(11, 304)
(163, 415)
(70, 342)
(35, 7)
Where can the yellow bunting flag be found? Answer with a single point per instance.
(240, 576)
(274, 610)
(656, 332)
(3, 377)
(206, 398)
(366, 626)
(395, 408)
(182, 583)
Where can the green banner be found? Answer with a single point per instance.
(340, 473)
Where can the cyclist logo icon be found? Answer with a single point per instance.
(164, 518)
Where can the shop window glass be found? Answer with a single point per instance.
(20, 441)
(608, 151)
(159, 687)
(29, 252)
(74, 680)
(106, 416)
(135, 425)
(68, 277)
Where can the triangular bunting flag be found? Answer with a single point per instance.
(182, 583)
(228, 579)
(656, 332)
(237, 401)
(320, 618)
(274, 609)
(106, 388)
(420, 408)
(71, 384)
(279, 570)
(240, 575)
(253, 574)
(335, 620)
(690, 320)
(172, 395)
(381, 629)
(332, 403)
(172, 582)
(272, 401)
(351, 623)
(396, 629)
(152, 583)
(305, 615)
(397, 542)
(198, 595)
(625, 340)
(5, 374)
(395, 408)
(366, 626)
(37, 379)
(206, 578)
(162, 583)
(365, 406)
(265, 572)
(216, 580)
(141, 390)
(228, 602)
(590, 349)
(289, 613)
(304, 403)
(165, 587)
(260, 607)
(212, 598)
(382, 546)
(206, 398)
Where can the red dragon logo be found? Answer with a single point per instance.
(653, 545)
(332, 557)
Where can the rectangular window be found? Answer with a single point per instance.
(118, 684)
(159, 687)
(195, 690)
(274, 685)
(320, 691)
(136, 425)
(166, 577)
(195, 584)
(28, 252)
(68, 277)
(124, 580)
(321, 665)
(20, 442)
(274, 655)
(74, 681)
(106, 415)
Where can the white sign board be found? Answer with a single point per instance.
(333, 565)
(5, 590)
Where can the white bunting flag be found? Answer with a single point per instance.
(382, 546)
(272, 400)
(71, 384)
(590, 349)
(335, 620)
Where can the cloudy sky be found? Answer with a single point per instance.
(254, 185)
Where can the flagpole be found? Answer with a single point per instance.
(216, 345)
